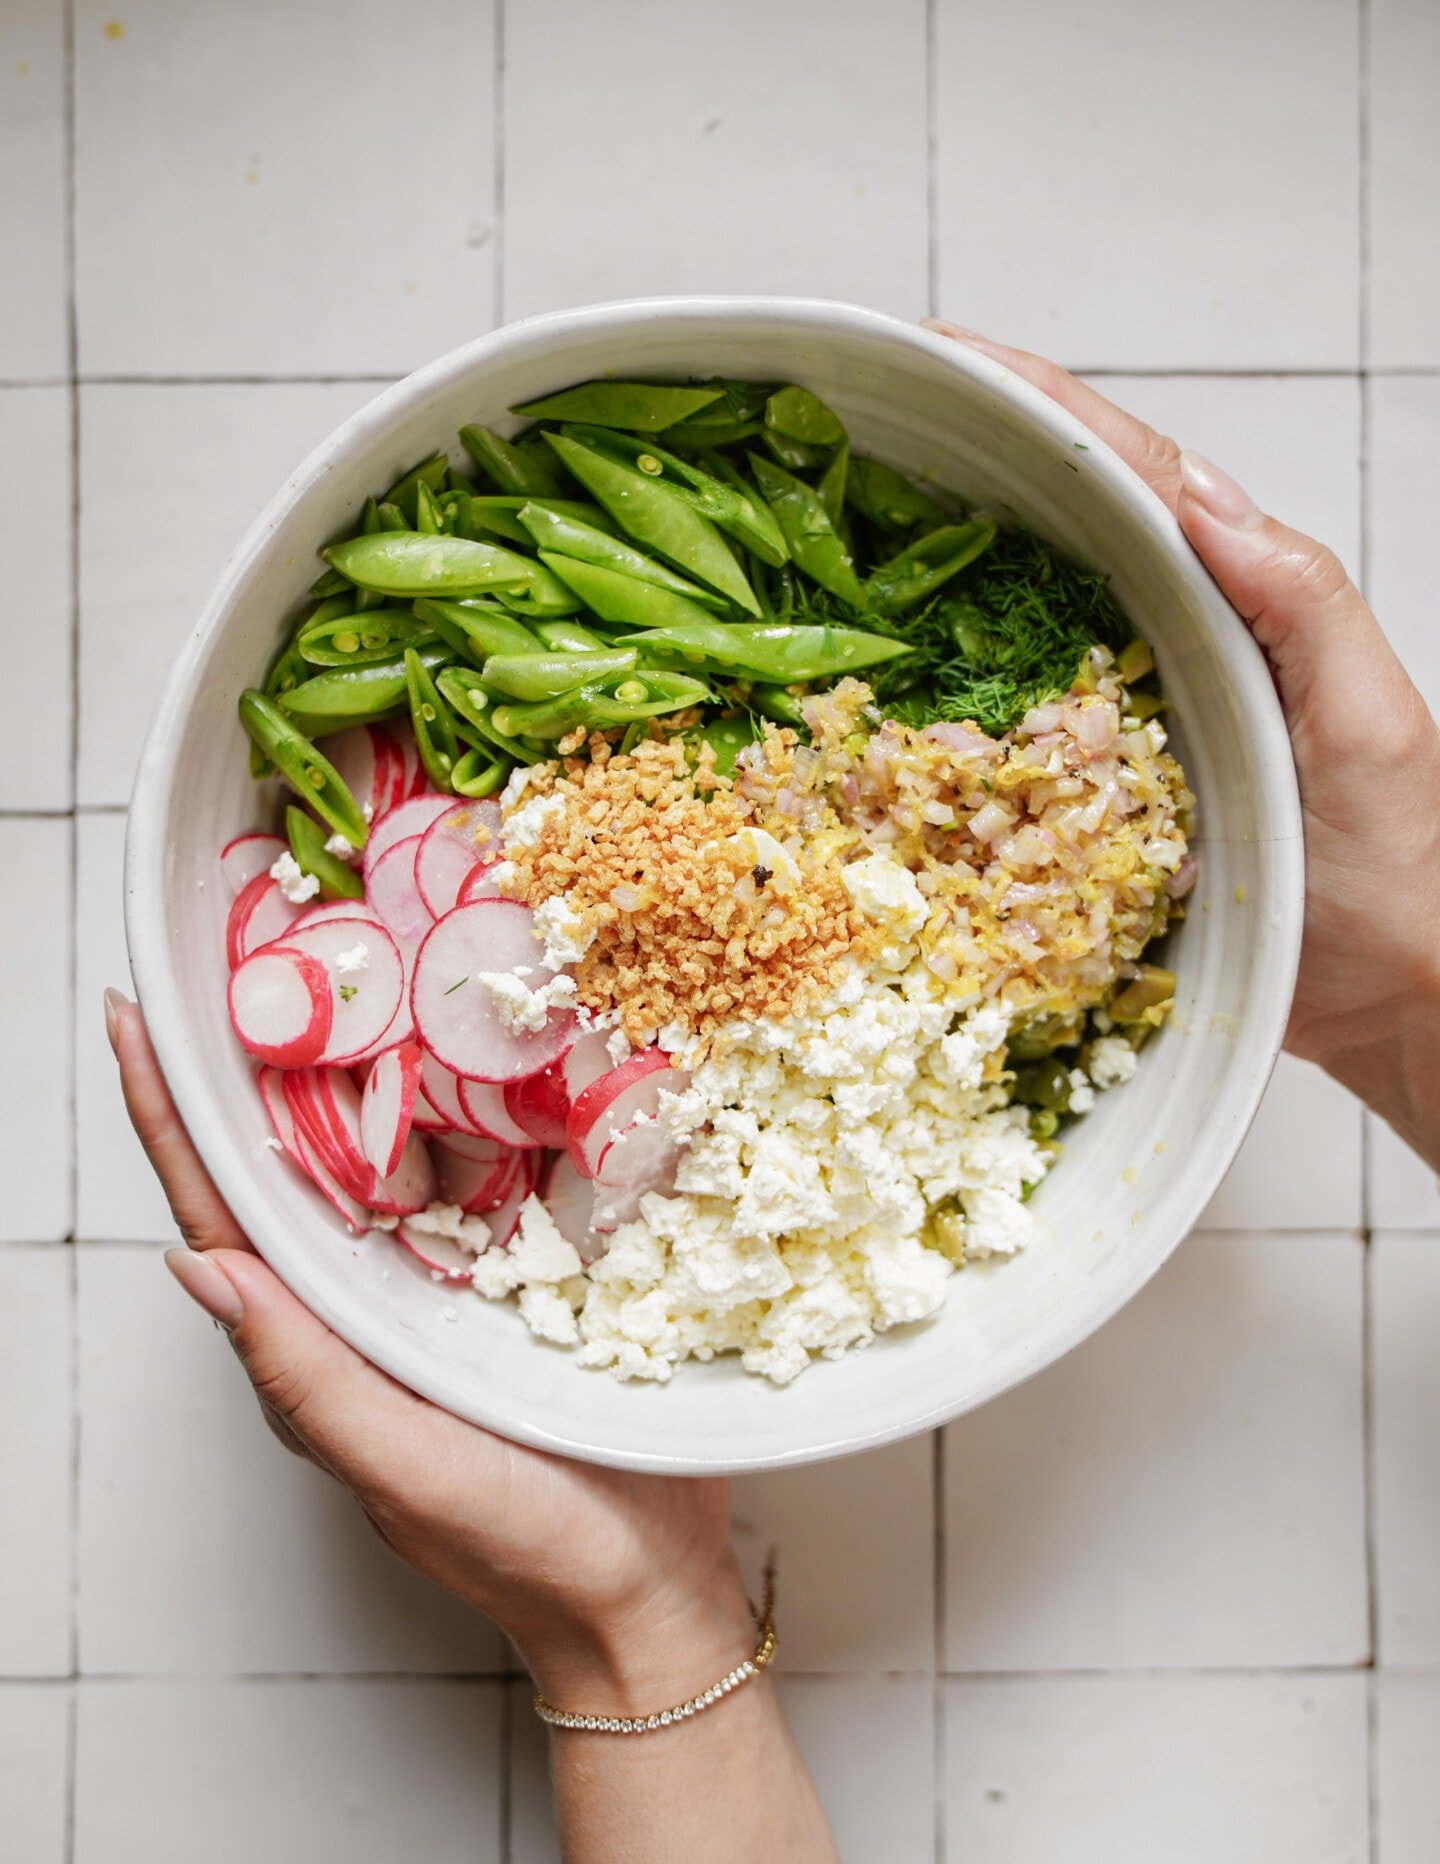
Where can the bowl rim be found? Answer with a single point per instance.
(145, 850)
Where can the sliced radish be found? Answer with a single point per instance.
(371, 764)
(442, 1090)
(483, 1103)
(272, 1091)
(457, 1018)
(570, 1197)
(318, 911)
(614, 1101)
(476, 1185)
(438, 1253)
(248, 855)
(641, 1157)
(450, 849)
(393, 896)
(315, 1118)
(280, 1006)
(364, 1001)
(587, 1058)
(356, 1217)
(411, 1186)
(259, 913)
(505, 1220)
(411, 817)
(540, 1104)
(427, 1118)
(480, 1147)
(387, 1105)
(481, 883)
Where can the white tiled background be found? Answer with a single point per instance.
(1180, 1597)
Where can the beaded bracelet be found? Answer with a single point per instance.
(683, 1711)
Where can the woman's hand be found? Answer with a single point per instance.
(622, 1592)
(1367, 1003)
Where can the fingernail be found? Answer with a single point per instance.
(208, 1286)
(1218, 493)
(113, 999)
(945, 329)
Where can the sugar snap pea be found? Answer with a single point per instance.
(405, 492)
(353, 695)
(639, 407)
(478, 628)
(308, 773)
(779, 653)
(479, 773)
(617, 702)
(727, 737)
(927, 565)
(430, 718)
(307, 843)
(813, 540)
(566, 536)
(777, 703)
(533, 677)
(568, 637)
(619, 598)
(511, 467)
(369, 525)
(401, 563)
(500, 515)
(430, 520)
(472, 705)
(354, 640)
(796, 414)
(888, 499)
(831, 489)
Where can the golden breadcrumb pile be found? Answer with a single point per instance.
(690, 926)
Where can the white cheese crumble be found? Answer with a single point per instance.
(296, 885)
(567, 938)
(523, 1008)
(347, 963)
(526, 825)
(886, 892)
(449, 1222)
(1110, 1061)
(342, 848)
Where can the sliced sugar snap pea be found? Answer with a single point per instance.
(404, 493)
(500, 515)
(558, 532)
(601, 707)
(793, 455)
(369, 525)
(479, 772)
(357, 640)
(831, 489)
(307, 843)
(308, 773)
(356, 695)
(796, 414)
(477, 630)
(429, 519)
(532, 677)
(408, 563)
(777, 703)
(430, 720)
(928, 564)
(814, 543)
(727, 737)
(472, 705)
(640, 407)
(510, 467)
(568, 636)
(779, 653)
(888, 499)
(328, 584)
(615, 597)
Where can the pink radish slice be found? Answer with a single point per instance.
(272, 1091)
(393, 896)
(280, 1006)
(641, 1157)
(426, 1118)
(437, 1253)
(248, 855)
(314, 1117)
(354, 1213)
(387, 1105)
(411, 817)
(456, 1017)
(586, 1060)
(450, 848)
(484, 1150)
(369, 761)
(480, 883)
(260, 912)
(411, 1186)
(506, 1219)
(570, 1198)
(476, 1185)
(442, 1090)
(483, 1104)
(399, 1193)
(614, 1100)
(318, 911)
(365, 1001)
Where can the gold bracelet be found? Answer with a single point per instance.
(683, 1711)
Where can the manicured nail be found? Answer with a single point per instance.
(113, 999)
(1218, 493)
(944, 329)
(207, 1286)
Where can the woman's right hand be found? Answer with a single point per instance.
(1367, 751)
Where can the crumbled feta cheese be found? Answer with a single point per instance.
(566, 935)
(451, 1223)
(523, 1008)
(519, 781)
(761, 850)
(618, 1046)
(347, 963)
(887, 892)
(539, 1252)
(342, 848)
(1110, 1061)
(549, 1315)
(526, 825)
(1082, 1094)
(296, 885)
(367, 809)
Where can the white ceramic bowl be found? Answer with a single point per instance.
(1138, 1170)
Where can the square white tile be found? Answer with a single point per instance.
(783, 154)
(264, 1564)
(1404, 1300)
(879, 1807)
(856, 1539)
(282, 190)
(1186, 1490)
(1121, 186)
(200, 463)
(117, 1194)
(35, 1028)
(1404, 490)
(1404, 178)
(33, 1743)
(1127, 1770)
(35, 1461)
(1407, 1784)
(35, 538)
(1404, 1193)
(34, 335)
(1300, 1165)
(364, 1772)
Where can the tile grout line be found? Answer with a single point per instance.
(506, 1745)
(932, 159)
(937, 1698)
(498, 310)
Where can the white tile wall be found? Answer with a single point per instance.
(267, 202)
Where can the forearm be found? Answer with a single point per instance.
(723, 1784)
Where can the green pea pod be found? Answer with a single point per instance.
(615, 597)
(361, 640)
(545, 676)
(795, 414)
(391, 517)
(909, 579)
(303, 768)
(511, 468)
(888, 499)
(686, 440)
(430, 717)
(640, 407)
(556, 531)
(728, 737)
(793, 455)
(601, 707)
(779, 653)
(408, 563)
(754, 525)
(404, 494)
(369, 525)
(429, 519)
(477, 630)
(307, 844)
(657, 516)
(831, 489)
(739, 403)
(778, 703)
(479, 773)
(569, 637)
(331, 583)
(472, 705)
(501, 516)
(355, 695)
(813, 541)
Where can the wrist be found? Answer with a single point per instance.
(1395, 1069)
